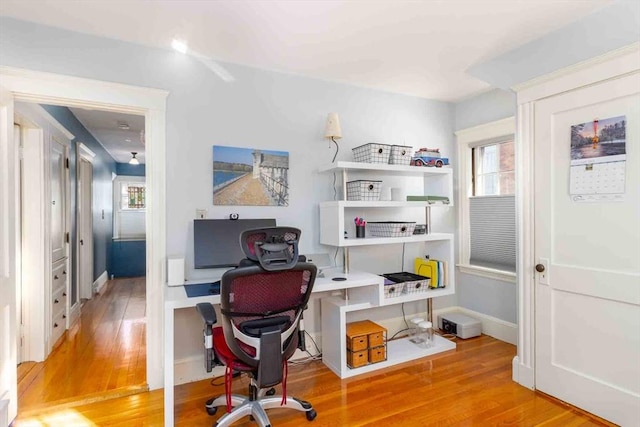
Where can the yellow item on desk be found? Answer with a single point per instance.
(427, 267)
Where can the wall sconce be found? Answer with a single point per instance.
(133, 160)
(332, 131)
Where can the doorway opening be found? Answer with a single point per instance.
(92, 330)
(55, 89)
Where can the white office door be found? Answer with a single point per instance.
(85, 228)
(8, 275)
(587, 318)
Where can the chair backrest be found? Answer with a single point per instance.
(261, 306)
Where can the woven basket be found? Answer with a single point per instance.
(391, 228)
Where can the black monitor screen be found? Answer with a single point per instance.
(216, 242)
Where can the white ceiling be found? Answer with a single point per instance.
(420, 48)
(105, 127)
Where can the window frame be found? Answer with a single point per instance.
(477, 171)
(467, 139)
(118, 181)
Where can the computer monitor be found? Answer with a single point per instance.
(216, 242)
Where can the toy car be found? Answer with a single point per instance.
(429, 157)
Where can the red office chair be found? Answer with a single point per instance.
(261, 303)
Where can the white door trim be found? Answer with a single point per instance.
(34, 86)
(83, 153)
(608, 66)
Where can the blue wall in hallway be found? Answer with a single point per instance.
(128, 258)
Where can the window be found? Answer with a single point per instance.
(493, 169)
(133, 195)
(129, 202)
(487, 200)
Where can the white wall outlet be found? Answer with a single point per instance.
(201, 213)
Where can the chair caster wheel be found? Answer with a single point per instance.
(271, 391)
(212, 411)
(311, 415)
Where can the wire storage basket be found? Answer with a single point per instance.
(392, 289)
(400, 155)
(391, 228)
(372, 153)
(412, 283)
(364, 190)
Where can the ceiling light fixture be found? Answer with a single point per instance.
(123, 126)
(179, 45)
(133, 160)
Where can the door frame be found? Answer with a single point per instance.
(56, 89)
(83, 153)
(614, 64)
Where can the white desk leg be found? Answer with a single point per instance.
(168, 366)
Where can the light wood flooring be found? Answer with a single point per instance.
(102, 355)
(468, 386)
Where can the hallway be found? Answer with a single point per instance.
(102, 356)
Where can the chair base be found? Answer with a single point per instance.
(243, 407)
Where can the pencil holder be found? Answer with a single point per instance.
(360, 231)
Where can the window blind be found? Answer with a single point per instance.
(492, 221)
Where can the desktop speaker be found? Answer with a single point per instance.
(175, 271)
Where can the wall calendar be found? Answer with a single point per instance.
(598, 160)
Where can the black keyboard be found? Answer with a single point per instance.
(202, 289)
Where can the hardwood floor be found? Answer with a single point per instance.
(102, 355)
(469, 386)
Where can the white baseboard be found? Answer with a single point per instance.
(100, 282)
(192, 368)
(4, 412)
(523, 375)
(492, 326)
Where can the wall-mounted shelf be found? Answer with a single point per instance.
(336, 218)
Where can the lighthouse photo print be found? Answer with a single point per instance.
(250, 177)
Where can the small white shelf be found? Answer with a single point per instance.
(379, 204)
(381, 167)
(368, 241)
(398, 351)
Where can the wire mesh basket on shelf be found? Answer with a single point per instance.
(390, 228)
(412, 283)
(372, 153)
(392, 289)
(364, 190)
(400, 155)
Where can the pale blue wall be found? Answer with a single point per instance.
(487, 107)
(493, 297)
(607, 29)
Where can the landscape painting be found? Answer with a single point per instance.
(599, 141)
(250, 177)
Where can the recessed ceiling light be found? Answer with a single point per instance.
(127, 140)
(179, 45)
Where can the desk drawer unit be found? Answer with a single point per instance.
(366, 343)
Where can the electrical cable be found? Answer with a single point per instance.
(400, 331)
(404, 317)
(337, 148)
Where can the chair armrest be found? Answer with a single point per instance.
(207, 313)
